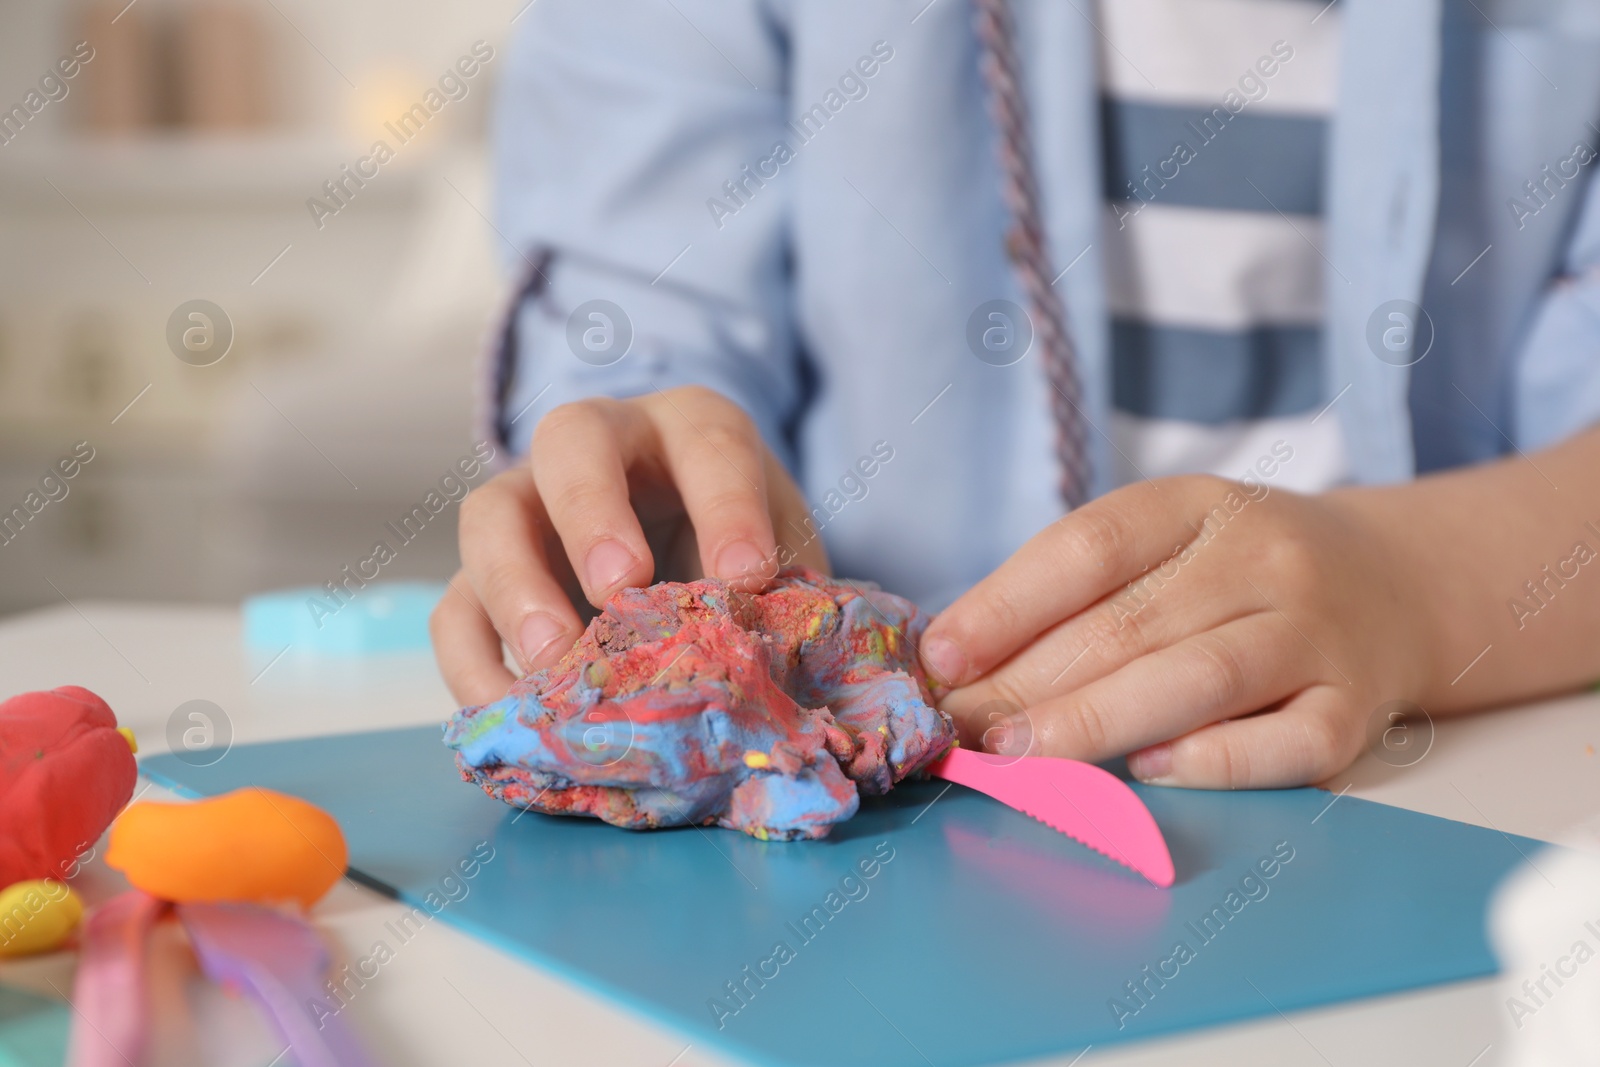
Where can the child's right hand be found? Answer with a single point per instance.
(671, 486)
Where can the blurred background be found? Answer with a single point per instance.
(179, 162)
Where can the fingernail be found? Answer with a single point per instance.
(607, 564)
(946, 662)
(1151, 764)
(741, 560)
(1012, 739)
(537, 633)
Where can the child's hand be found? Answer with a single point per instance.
(1241, 601)
(670, 486)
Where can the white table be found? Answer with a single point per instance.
(448, 999)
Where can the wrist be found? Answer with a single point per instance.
(1414, 603)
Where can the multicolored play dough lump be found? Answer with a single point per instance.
(695, 703)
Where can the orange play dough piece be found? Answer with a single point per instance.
(249, 845)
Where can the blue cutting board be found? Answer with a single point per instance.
(957, 932)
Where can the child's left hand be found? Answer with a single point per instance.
(1160, 619)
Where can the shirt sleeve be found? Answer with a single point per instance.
(630, 143)
(1557, 370)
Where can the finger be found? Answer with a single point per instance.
(715, 456)
(506, 559)
(1157, 610)
(1065, 568)
(467, 647)
(1234, 670)
(799, 541)
(1305, 741)
(580, 458)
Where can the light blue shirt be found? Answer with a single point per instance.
(830, 294)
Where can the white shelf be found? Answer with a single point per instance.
(154, 170)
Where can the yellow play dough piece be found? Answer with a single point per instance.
(37, 916)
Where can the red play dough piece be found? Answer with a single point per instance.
(65, 773)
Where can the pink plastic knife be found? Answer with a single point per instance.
(1090, 805)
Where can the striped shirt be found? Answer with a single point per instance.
(1214, 123)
